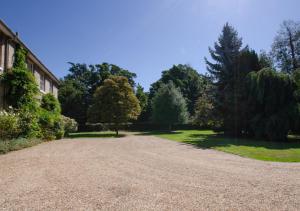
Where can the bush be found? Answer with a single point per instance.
(51, 125)
(9, 125)
(50, 120)
(17, 144)
(29, 123)
(50, 103)
(70, 125)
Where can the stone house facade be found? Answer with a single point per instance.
(46, 80)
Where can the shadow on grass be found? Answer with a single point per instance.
(205, 141)
(95, 135)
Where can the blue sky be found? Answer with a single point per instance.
(144, 36)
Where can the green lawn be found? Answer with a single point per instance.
(257, 149)
(105, 134)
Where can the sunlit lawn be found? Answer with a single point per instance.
(262, 150)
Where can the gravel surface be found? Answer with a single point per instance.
(142, 173)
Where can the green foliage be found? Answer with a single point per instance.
(77, 88)
(265, 60)
(20, 58)
(271, 102)
(50, 103)
(184, 77)
(143, 99)
(22, 88)
(70, 125)
(9, 125)
(204, 116)
(50, 120)
(29, 122)
(229, 71)
(72, 96)
(21, 94)
(286, 46)
(169, 106)
(114, 102)
(51, 125)
(17, 144)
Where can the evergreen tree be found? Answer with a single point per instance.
(169, 106)
(225, 54)
(232, 64)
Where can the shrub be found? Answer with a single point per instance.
(50, 103)
(51, 125)
(29, 123)
(50, 119)
(9, 125)
(17, 144)
(70, 125)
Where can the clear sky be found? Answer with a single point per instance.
(143, 36)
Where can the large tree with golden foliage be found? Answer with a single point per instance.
(114, 102)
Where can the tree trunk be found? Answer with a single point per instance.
(295, 66)
(170, 127)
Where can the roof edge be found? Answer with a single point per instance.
(18, 40)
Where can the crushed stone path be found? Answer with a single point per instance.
(142, 173)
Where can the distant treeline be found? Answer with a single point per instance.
(244, 93)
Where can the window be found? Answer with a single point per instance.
(51, 87)
(42, 82)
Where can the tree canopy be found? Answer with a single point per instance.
(169, 106)
(184, 77)
(286, 46)
(114, 102)
(77, 88)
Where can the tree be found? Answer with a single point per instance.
(204, 108)
(286, 46)
(184, 77)
(169, 106)
(143, 99)
(203, 111)
(77, 88)
(105, 70)
(295, 125)
(73, 98)
(271, 96)
(265, 60)
(225, 53)
(114, 102)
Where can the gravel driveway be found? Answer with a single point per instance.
(142, 173)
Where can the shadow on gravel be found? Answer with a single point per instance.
(155, 133)
(95, 135)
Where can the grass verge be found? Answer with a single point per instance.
(17, 144)
(288, 151)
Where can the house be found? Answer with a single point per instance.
(46, 80)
